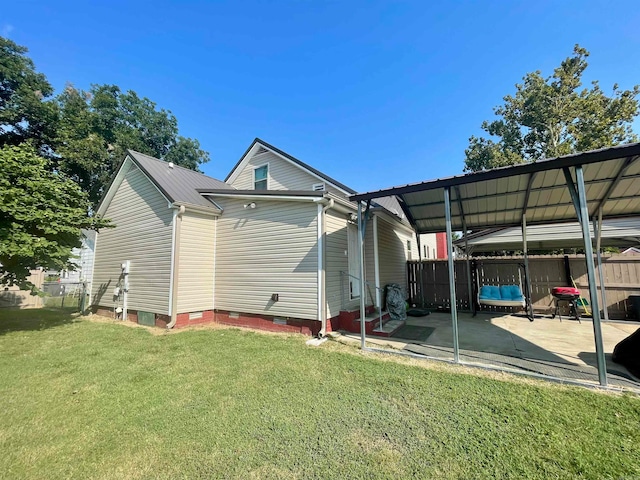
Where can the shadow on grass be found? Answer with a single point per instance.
(14, 320)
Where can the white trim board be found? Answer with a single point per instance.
(234, 175)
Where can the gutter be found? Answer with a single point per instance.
(174, 268)
(284, 197)
(322, 266)
(212, 210)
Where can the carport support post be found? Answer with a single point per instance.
(597, 231)
(526, 266)
(472, 302)
(420, 260)
(361, 233)
(452, 280)
(593, 290)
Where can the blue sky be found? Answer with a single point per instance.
(375, 94)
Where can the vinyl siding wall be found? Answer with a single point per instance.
(142, 235)
(393, 254)
(283, 175)
(196, 267)
(269, 249)
(336, 261)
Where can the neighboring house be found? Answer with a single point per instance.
(616, 232)
(274, 246)
(82, 258)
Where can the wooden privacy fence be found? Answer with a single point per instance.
(621, 274)
(14, 297)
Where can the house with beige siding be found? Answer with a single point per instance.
(274, 246)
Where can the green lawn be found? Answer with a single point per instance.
(88, 399)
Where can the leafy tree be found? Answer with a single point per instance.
(98, 126)
(25, 112)
(553, 116)
(41, 215)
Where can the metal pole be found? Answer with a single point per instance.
(418, 273)
(527, 278)
(597, 230)
(593, 291)
(452, 280)
(363, 332)
(472, 303)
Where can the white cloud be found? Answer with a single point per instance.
(6, 29)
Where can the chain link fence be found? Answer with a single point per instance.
(67, 296)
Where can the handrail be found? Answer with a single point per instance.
(342, 272)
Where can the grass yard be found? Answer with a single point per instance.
(83, 398)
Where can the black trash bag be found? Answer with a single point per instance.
(396, 303)
(627, 353)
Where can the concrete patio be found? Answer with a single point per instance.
(562, 349)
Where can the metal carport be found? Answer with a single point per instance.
(592, 185)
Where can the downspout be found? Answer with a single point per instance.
(322, 262)
(176, 263)
(376, 264)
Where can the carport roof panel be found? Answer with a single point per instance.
(618, 232)
(497, 197)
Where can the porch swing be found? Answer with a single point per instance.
(504, 295)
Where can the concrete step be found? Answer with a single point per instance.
(388, 328)
(374, 317)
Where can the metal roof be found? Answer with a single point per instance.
(500, 196)
(390, 204)
(178, 184)
(616, 232)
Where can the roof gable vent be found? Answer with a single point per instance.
(261, 150)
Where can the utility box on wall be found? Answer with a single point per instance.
(146, 318)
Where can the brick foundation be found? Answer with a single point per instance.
(259, 322)
(292, 325)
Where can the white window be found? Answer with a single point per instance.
(260, 176)
(318, 187)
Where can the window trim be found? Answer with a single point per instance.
(254, 175)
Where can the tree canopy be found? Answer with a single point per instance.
(27, 109)
(42, 214)
(554, 116)
(98, 126)
(85, 134)
(58, 154)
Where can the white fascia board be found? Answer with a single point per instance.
(190, 207)
(250, 154)
(243, 163)
(342, 205)
(281, 198)
(124, 169)
(113, 188)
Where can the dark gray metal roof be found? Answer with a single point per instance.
(499, 197)
(178, 184)
(616, 232)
